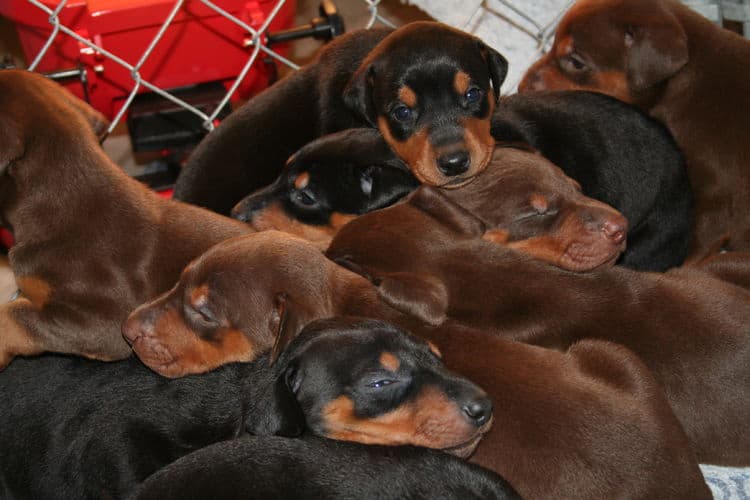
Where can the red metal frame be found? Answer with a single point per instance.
(199, 46)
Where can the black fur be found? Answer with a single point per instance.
(249, 148)
(351, 172)
(81, 429)
(314, 468)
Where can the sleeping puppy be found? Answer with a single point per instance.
(619, 156)
(588, 422)
(430, 89)
(327, 183)
(74, 428)
(91, 242)
(688, 327)
(523, 199)
(683, 70)
(315, 468)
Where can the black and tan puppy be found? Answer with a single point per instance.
(690, 328)
(326, 183)
(429, 88)
(91, 243)
(315, 468)
(74, 428)
(589, 422)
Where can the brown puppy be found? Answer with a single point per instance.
(586, 423)
(91, 242)
(529, 204)
(689, 327)
(523, 199)
(685, 71)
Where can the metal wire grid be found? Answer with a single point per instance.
(134, 69)
(541, 32)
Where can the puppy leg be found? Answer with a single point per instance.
(15, 339)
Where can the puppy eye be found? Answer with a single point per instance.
(573, 63)
(305, 197)
(365, 183)
(402, 113)
(380, 383)
(203, 315)
(473, 95)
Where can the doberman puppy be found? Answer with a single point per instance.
(589, 422)
(91, 243)
(619, 155)
(524, 200)
(689, 327)
(99, 429)
(317, 468)
(327, 183)
(429, 88)
(683, 70)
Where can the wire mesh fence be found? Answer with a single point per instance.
(521, 30)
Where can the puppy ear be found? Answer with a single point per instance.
(497, 65)
(418, 295)
(286, 325)
(11, 143)
(358, 96)
(98, 122)
(656, 51)
(437, 205)
(281, 414)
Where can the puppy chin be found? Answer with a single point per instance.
(581, 258)
(157, 357)
(466, 449)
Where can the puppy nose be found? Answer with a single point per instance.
(614, 230)
(132, 329)
(239, 214)
(478, 410)
(454, 163)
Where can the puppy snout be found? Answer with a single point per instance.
(455, 163)
(615, 229)
(246, 209)
(139, 323)
(239, 214)
(479, 410)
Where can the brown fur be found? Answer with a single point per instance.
(687, 326)
(587, 423)
(685, 71)
(568, 229)
(91, 242)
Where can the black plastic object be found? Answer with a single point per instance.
(327, 26)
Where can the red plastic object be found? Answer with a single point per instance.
(199, 46)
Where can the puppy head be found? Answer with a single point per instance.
(231, 303)
(529, 204)
(327, 183)
(39, 119)
(430, 90)
(367, 381)
(622, 48)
